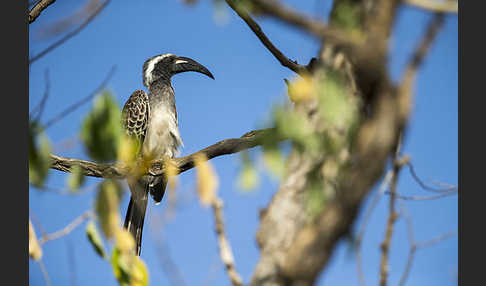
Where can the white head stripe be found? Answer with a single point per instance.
(151, 65)
(180, 62)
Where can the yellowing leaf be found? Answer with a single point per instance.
(207, 180)
(129, 269)
(35, 251)
(139, 273)
(107, 202)
(273, 159)
(171, 171)
(95, 238)
(76, 178)
(303, 88)
(128, 149)
(124, 240)
(248, 178)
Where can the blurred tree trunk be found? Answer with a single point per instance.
(295, 245)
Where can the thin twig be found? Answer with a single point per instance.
(450, 188)
(170, 268)
(423, 198)
(436, 239)
(294, 18)
(405, 94)
(44, 273)
(41, 105)
(384, 185)
(38, 224)
(66, 144)
(38, 8)
(411, 240)
(286, 62)
(392, 215)
(416, 245)
(69, 21)
(67, 229)
(71, 34)
(224, 246)
(447, 6)
(84, 100)
(71, 262)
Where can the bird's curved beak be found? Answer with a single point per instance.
(183, 64)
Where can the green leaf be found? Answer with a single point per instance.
(336, 106)
(339, 109)
(101, 128)
(95, 239)
(274, 160)
(106, 206)
(295, 126)
(129, 269)
(39, 155)
(248, 178)
(76, 178)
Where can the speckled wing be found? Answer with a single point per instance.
(135, 114)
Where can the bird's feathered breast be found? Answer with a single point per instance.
(162, 136)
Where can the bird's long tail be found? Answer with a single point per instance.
(135, 216)
(136, 212)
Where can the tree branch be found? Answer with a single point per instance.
(71, 34)
(424, 198)
(392, 217)
(224, 247)
(66, 230)
(103, 170)
(38, 8)
(447, 6)
(84, 100)
(384, 185)
(40, 106)
(405, 93)
(172, 271)
(415, 245)
(286, 62)
(44, 273)
(294, 18)
(424, 186)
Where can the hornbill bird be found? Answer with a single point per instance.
(152, 119)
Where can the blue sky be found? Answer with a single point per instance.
(249, 81)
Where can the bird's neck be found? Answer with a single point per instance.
(161, 92)
(160, 85)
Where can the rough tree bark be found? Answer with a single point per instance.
(294, 247)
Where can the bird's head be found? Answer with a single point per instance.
(165, 66)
